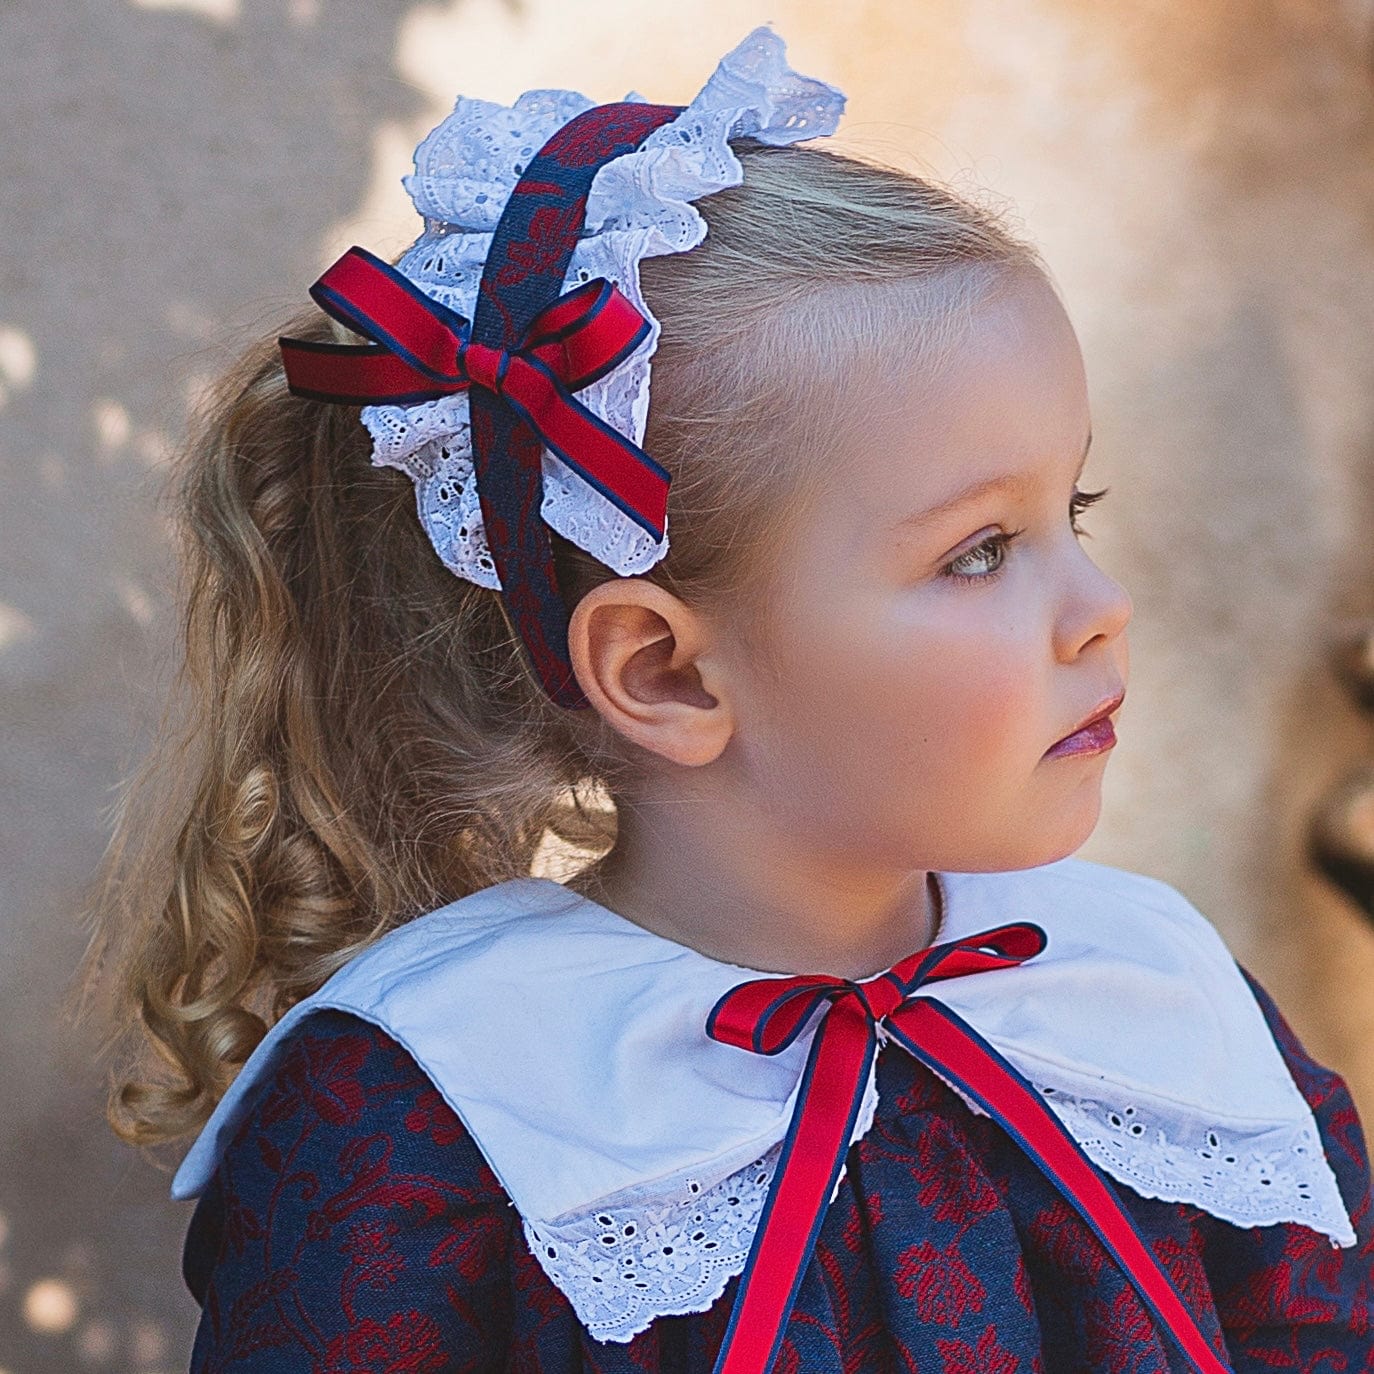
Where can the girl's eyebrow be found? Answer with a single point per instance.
(1007, 481)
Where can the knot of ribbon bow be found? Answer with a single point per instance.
(765, 1016)
(422, 350)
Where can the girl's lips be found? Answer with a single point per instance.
(1089, 740)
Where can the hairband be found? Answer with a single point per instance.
(508, 368)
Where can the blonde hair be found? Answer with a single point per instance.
(354, 737)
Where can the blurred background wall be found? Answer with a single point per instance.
(174, 175)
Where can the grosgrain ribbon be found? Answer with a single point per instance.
(765, 1015)
(423, 350)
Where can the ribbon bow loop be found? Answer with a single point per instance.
(421, 350)
(1000, 947)
(766, 1015)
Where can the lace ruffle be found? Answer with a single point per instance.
(621, 1267)
(1249, 1177)
(639, 206)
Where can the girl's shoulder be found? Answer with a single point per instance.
(350, 1221)
(346, 1122)
(414, 968)
(340, 1071)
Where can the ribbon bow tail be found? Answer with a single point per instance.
(766, 1015)
(813, 1152)
(937, 1036)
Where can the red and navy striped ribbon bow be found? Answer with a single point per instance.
(422, 350)
(765, 1015)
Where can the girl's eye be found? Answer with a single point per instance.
(999, 543)
(993, 544)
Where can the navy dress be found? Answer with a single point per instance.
(353, 1227)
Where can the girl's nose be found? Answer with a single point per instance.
(1095, 606)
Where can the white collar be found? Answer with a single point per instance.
(572, 1044)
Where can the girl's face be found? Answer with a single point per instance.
(942, 625)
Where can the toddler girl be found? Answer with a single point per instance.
(832, 1058)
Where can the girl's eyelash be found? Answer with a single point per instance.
(1078, 503)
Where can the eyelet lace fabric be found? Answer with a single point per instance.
(623, 1266)
(675, 1249)
(639, 206)
(1251, 1177)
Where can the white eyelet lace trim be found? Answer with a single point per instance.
(622, 1266)
(639, 206)
(1253, 1178)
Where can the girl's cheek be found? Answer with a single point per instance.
(974, 696)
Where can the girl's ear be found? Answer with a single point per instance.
(649, 664)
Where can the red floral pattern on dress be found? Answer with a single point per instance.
(941, 1284)
(353, 1227)
(1021, 1284)
(322, 1078)
(432, 1114)
(1121, 1338)
(952, 1193)
(406, 1343)
(860, 1220)
(1063, 1235)
(1183, 1264)
(375, 1260)
(986, 1357)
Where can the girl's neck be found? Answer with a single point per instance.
(794, 918)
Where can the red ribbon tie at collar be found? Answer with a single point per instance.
(765, 1015)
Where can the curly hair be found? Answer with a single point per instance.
(354, 736)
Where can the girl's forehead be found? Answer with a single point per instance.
(1005, 398)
